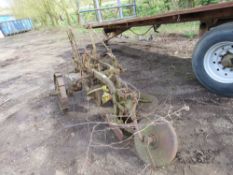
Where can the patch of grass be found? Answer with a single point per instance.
(182, 28)
(190, 34)
(189, 29)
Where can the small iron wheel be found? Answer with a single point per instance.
(157, 142)
(61, 92)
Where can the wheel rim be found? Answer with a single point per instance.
(213, 62)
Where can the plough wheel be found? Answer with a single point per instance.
(61, 91)
(157, 142)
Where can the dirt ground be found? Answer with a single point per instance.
(38, 139)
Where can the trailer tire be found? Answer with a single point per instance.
(210, 57)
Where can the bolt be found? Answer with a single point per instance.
(150, 141)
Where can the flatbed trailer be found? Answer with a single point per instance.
(209, 16)
(213, 56)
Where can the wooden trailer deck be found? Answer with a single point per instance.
(209, 16)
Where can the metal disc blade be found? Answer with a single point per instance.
(165, 144)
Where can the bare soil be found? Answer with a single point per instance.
(38, 139)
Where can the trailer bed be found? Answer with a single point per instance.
(208, 14)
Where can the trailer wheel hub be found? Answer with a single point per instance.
(218, 62)
(227, 60)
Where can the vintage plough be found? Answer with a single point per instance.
(99, 75)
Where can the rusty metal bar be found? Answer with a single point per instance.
(98, 12)
(120, 9)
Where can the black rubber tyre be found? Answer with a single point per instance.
(216, 35)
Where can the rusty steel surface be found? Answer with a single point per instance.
(204, 13)
(61, 91)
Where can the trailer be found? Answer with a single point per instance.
(212, 58)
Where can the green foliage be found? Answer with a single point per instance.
(46, 12)
(64, 12)
(152, 7)
(205, 2)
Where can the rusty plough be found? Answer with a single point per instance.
(99, 76)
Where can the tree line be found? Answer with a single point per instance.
(66, 12)
(47, 12)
